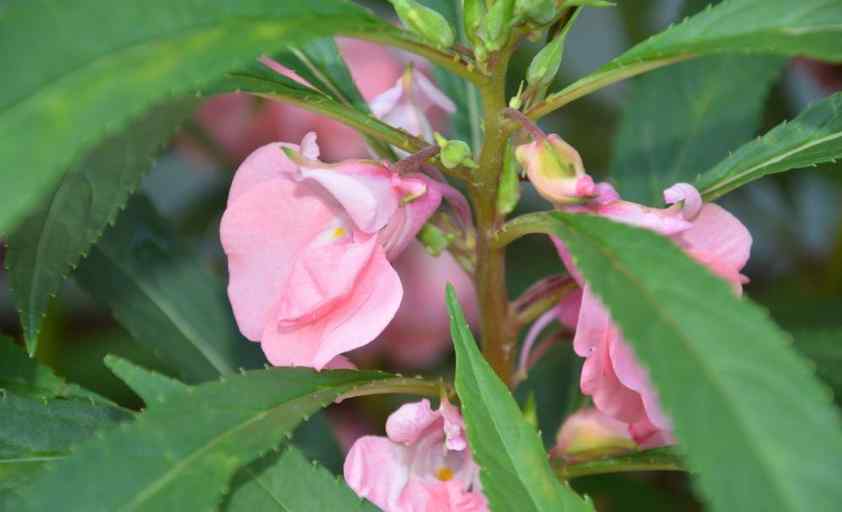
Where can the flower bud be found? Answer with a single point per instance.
(538, 11)
(508, 193)
(472, 11)
(454, 152)
(589, 432)
(555, 169)
(425, 22)
(544, 65)
(497, 25)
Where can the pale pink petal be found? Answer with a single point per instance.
(648, 436)
(262, 241)
(340, 363)
(264, 164)
(568, 309)
(282, 70)
(666, 222)
(454, 426)
(532, 335)
(375, 469)
(374, 68)
(430, 96)
(411, 421)
(719, 236)
(386, 101)
(411, 217)
(352, 323)
(687, 193)
(590, 429)
(626, 366)
(567, 259)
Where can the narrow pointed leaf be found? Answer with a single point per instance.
(514, 469)
(813, 137)
(748, 411)
(152, 387)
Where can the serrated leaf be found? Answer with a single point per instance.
(687, 117)
(86, 69)
(291, 483)
(809, 28)
(159, 293)
(180, 454)
(813, 137)
(514, 469)
(152, 387)
(24, 376)
(48, 244)
(824, 348)
(747, 410)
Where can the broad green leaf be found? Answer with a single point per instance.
(687, 117)
(291, 483)
(181, 454)
(25, 376)
(161, 294)
(152, 387)
(747, 410)
(813, 137)
(43, 249)
(811, 28)
(514, 469)
(824, 348)
(96, 65)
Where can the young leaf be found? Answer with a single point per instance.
(50, 243)
(165, 299)
(747, 410)
(514, 469)
(180, 454)
(810, 28)
(86, 77)
(687, 117)
(291, 483)
(812, 138)
(152, 387)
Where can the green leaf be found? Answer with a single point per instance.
(52, 241)
(25, 376)
(514, 469)
(824, 348)
(86, 77)
(810, 28)
(152, 387)
(747, 410)
(291, 483)
(180, 454)
(164, 298)
(687, 117)
(812, 138)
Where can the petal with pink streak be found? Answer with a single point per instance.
(262, 241)
(568, 309)
(264, 164)
(632, 375)
(375, 469)
(351, 323)
(411, 217)
(720, 236)
(411, 421)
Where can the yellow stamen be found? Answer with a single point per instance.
(444, 474)
(339, 233)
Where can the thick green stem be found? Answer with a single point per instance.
(660, 459)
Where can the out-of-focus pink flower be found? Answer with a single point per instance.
(591, 432)
(420, 332)
(408, 103)
(422, 465)
(555, 169)
(612, 375)
(308, 246)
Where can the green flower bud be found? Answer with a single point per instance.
(508, 194)
(538, 11)
(454, 152)
(425, 22)
(497, 25)
(472, 12)
(544, 65)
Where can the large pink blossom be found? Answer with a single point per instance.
(308, 248)
(612, 375)
(422, 465)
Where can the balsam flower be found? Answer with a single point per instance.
(555, 169)
(612, 375)
(422, 465)
(308, 248)
(589, 432)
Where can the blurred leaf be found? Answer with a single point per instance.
(180, 454)
(164, 298)
(687, 117)
(620, 492)
(320, 62)
(746, 408)
(151, 386)
(514, 470)
(810, 28)
(824, 348)
(94, 65)
(813, 137)
(291, 483)
(44, 249)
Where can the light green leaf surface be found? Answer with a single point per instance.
(151, 386)
(514, 469)
(748, 411)
(50, 243)
(813, 137)
(824, 349)
(84, 70)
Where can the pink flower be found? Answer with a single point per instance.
(423, 465)
(590, 432)
(555, 169)
(308, 248)
(612, 375)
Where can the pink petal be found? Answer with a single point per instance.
(687, 193)
(340, 363)
(407, 424)
(282, 70)
(352, 323)
(262, 165)
(411, 217)
(666, 222)
(454, 426)
(567, 259)
(568, 309)
(720, 236)
(589, 429)
(374, 469)
(374, 68)
(262, 241)
(428, 95)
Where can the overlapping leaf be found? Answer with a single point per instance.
(514, 469)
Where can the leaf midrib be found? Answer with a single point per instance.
(615, 263)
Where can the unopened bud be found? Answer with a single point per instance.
(544, 65)
(538, 11)
(425, 22)
(497, 25)
(472, 11)
(589, 433)
(454, 152)
(508, 193)
(556, 170)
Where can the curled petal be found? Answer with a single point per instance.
(719, 236)
(411, 421)
(408, 220)
(687, 193)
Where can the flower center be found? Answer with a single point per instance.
(444, 474)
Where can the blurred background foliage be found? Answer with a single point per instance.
(795, 269)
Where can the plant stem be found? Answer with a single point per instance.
(659, 459)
